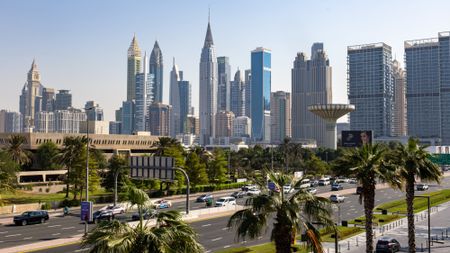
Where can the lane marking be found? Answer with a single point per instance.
(56, 234)
(27, 238)
(224, 229)
(216, 239)
(68, 228)
(54, 226)
(81, 230)
(3, 232)
(81, 250)
(206, 225)
(226, 246)
(13, 235)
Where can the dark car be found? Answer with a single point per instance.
(204, 197)
(237, 195)
(314, 183)
(146, 214)
(102, 215)
(387, 244)
(31, 217)
(336, 187)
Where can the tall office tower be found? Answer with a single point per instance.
(399, 113)
(160, 119)
(223, 86)
(224, 124)
(428, 87)
(68, 121)
(118, 114)
(143, 97)
(63, 100)
(3, 120)
(10, 122)
(128, 123)
(174, 101)
(238, 94)
(133, 68)
(23, 104)
(260, 94)
(45, 122)
(280, 115)
(311, 84)
(192, 125)
(156, 69)
(208, 88)
(115, 127)
(185, 102)
(48, 99)
(370, 88)
(93, 111)
(242, 127)
(34, 89)
(248, 91)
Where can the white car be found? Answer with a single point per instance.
(336, 198)
(162, 203)
(225, 201)
(287, 189)
(312, 190)
(421, 187)
(253, 191)
(352, 181)
(113, 209)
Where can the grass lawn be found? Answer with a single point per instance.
(379, 219)
(344, 232)
(261, 248)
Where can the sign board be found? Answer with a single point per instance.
(86, 211)
(152, 167)
(356, 138)
(298, 174)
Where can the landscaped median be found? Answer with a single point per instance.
(260, 248)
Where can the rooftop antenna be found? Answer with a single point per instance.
(209, 14)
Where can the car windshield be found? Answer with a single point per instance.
(383, 242)
(26, 214)
(333, 196)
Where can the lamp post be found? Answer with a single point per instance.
(86, 221)
(116, 175)
(187, 188)
(429, 220)
(336, 240)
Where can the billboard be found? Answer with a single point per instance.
(86, 211)
(152, 167)
(356, 138)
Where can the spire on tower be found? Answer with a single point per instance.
(208, 38)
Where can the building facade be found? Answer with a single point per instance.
(311, 84)
(185, 102)
(68, 121)
(128, 123)
(93, 111)
(10, 122)
(133, 68)
(260, 94)
(370, 88)
(223, 88)
(192, 125)
(160, 119)
(48, 99)
(156, 69)
(280, 115)
(174, 101)
(242, 127)
(63, 100)
(224, 124)
(143, 97)
(399, 126)
(237, 100)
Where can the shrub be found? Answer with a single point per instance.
(46, 206)
(47, 190)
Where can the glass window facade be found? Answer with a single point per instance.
(260, 91)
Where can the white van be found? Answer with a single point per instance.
(306, 183)
(324, 181)
(225, 201)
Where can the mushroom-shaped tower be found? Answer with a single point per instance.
(331, 113)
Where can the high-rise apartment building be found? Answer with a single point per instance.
(2, 121)
(63, 100)
(208, 88)
(311, 84)
(160, 119)
(223, 87)
(224, 124)
(370, 88)
(248, 91)
(143, 97)
(128, 113)
(115, 127)
(280, 115)
(10, 122)
(93, 111)
(174, 101)
(260, 94)
(237, 100)
(399, 113)
(156, 69)
(44, 122)
(68, 121)
(48, 99)
(185, 102)
(133, 68)
(192, 125)
(428, 87)
(242, 127)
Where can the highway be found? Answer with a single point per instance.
(213, 234)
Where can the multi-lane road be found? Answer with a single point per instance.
(213, 234)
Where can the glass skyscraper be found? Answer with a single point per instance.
(370, 88)
(156, 69)
(260, 94)
(133, 68)
(224, 90)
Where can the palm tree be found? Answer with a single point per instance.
(292, 213)
(367, 165)
(413, 161)
(163, 144)
(16, 151)
(72, 156)
(169, 235)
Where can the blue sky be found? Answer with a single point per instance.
(81, 45)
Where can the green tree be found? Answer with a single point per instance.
(8, 170)
(16, 150)
(169, 235)
(47, 156)
(294, 213)
(99, 157)
(117, 164)
(73, 157)
(367, 165)
(413, 162)
(196, 170)
(171, 147)
(315, 166)
(217, 169)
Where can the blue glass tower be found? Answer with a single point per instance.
(127, 117)
(260, 94)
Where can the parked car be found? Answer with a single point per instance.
(239, 194)
(312, 190)
(205, 197)
(287, 189)
(224, 201)
(336, 198)
(387, 244)
(341, 180)
(314, 183)
(336, 187)
(162, 203)
(102, 215)
(324, 181)
(359, 190)
(253, 191)
(114, 209)
(146, 214)
(421, 187)
(352, 181)
(31, 217)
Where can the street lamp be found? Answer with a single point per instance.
(86, 221)
(336, 241)
(429, 220)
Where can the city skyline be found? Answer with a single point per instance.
(94, 48)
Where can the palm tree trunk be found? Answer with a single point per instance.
(410, 213)
(67, 185)
(369, 204)
(282, 234)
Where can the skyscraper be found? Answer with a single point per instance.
(248, 91)
(160, 119)
(133, 68)
(280, 115)
(34, 89)
(428, 87)
(63, 100)
(224, 76)
(399, 112)
(156, 69)
(48, 99)
(260, 94)
(311, 84)
(208, 88)
(370, 88)
(128, 123)
(174, 101)
(10, 122)
(93, 111)
(242, 127)
(185, 102)
(143, 97)
(237, 101)
(68, 121)
(224, 124)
